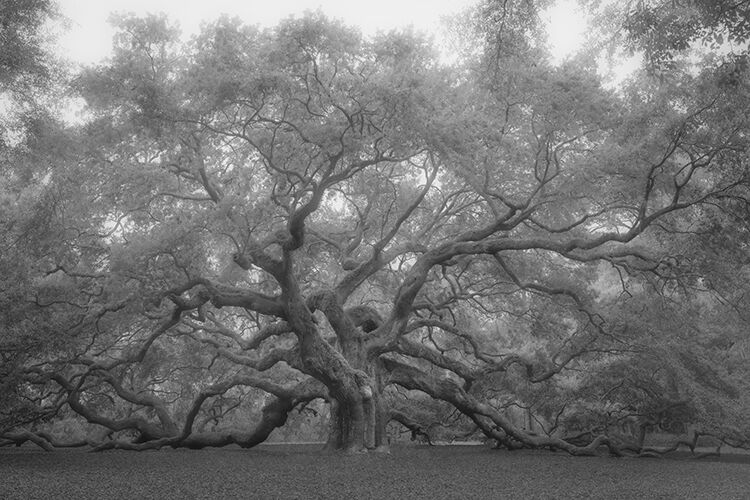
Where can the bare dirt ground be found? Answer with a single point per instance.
(302, 471)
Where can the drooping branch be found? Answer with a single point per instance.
(308, 389)
(21, 437)
(487, 363)
(273, 415)
(148, 430)
(447, 390)
(414, 427)
(137, 352)
(141, 399)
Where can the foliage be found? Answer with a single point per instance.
(672, 36)
(25, 67)
(663, 29)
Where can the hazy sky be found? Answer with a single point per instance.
(89, 37)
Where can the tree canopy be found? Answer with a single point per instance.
(266, 220)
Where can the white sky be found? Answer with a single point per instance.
(89, 37)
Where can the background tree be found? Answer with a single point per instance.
(27, 71)
(664, 29)
(671, 36)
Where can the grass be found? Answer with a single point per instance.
(302, 471)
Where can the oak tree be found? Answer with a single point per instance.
(262, 218)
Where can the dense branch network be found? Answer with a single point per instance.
(318, 217)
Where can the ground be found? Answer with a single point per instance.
(414, 472)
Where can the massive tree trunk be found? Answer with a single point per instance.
(354, 399)
(359, 423)
(351, 388)
(350, 391)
